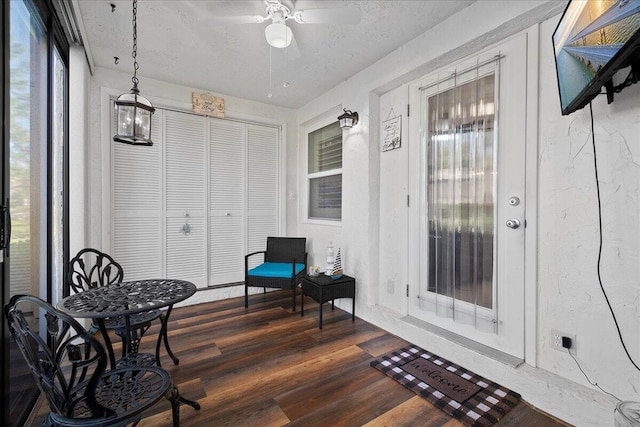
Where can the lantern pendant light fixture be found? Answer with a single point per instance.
(133, 112)
(348, 119)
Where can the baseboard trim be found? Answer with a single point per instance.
(492, 353)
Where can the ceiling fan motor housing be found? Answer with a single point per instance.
(284, 8)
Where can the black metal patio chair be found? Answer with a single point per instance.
(91, 268)
(69, 367)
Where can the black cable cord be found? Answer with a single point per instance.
(595, 167)
(631, 79)
(587, 377)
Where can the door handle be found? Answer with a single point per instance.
(5, 228)
(513, 223)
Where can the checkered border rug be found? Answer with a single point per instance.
(485, 408)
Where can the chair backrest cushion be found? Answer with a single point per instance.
(286, 249)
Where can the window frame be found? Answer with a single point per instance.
(318, 123)
(55, 251)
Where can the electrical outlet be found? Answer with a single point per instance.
(556, 340)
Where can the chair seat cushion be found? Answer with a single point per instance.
(275, 269)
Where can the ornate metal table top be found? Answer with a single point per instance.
(127, 298)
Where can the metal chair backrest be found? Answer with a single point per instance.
(66, 361)
(91, 268)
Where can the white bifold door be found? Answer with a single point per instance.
(193, 204)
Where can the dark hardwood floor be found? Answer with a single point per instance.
(268, 366)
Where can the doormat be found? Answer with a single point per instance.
(462, 394)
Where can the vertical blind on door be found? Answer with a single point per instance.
(459, 193)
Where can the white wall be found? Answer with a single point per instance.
(571, 299)
(564, 287)
(78, 127)
(374, 226)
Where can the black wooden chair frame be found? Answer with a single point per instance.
(280, 250)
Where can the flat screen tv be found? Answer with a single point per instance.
(593, 40)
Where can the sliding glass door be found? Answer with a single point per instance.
(35, 81)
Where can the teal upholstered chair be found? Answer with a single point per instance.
(284, 260)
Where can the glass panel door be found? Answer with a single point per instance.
(460, 191)
(467, 258)
(58, 150)
(35, 75)
(27, 179)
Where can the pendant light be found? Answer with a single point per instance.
(133, 112)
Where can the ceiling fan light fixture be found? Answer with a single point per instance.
(278, 35)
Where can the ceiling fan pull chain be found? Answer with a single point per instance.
(270, 94)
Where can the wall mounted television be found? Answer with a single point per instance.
(592, 42)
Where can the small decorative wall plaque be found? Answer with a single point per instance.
(392, 133)
(206, 103)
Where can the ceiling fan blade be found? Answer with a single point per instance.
(337, 15)
(292, 51)
(232, 20)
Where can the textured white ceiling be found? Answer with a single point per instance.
(186, 42)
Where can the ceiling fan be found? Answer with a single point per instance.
(278, 33)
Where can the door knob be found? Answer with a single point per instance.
(513, 223)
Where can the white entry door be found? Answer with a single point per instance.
(468, 178)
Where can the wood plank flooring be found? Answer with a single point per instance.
(268, 366)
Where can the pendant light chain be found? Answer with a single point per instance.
(133, 111)
(134, 53)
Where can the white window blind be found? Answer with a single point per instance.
(325, 173)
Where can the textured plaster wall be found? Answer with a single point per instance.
(78, 128)
(570, 297)
(373, 233)
(565, 288)
(393, 218)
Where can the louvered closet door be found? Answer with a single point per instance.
(262, 185)
(137, 206)
(226, 196)
(185, 197)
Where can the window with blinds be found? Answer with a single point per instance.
(324, 173)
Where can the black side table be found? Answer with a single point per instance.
(324, 289)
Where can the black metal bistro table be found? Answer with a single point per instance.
(126, 299)
(323, 289)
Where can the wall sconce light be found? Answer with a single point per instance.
(348, 119)
(133, 112)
